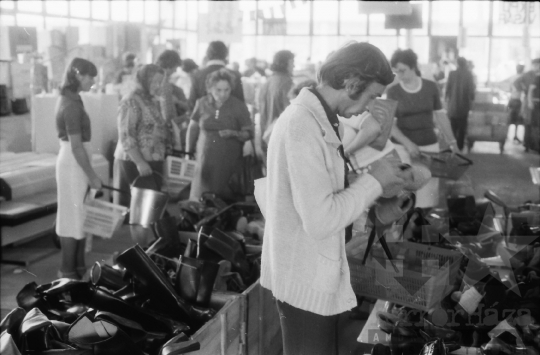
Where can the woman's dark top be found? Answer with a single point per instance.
(415, 112)
(71, 118)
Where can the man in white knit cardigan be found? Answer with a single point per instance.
(307, 205)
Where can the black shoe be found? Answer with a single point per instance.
(195, 280)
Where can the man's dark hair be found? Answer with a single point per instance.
(169, 59)
(217, 50)
(462, 63)
(281, 61)
(189, 65)
(354, 67)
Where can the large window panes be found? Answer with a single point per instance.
(181, 14)
(376, 25)
(298, 13)
(136, 11)
(239, 52)
(509, 17)
(7, 4)
(30, 6)
(7, 20)
(56, 22)
(445, 18)
(476, 17)
(322, 47)
(351, 21)
(83, 31)
(167, 14)
(249, 17)
(267, 46)
(80, 8)
(57, 7)
(192, 15)
(119, 10)
(420, 46)
(271, 18)
(24, 20)
(151, 12)
(506, 53)
(100, 10)
(299, 45)
(325, 17)
(477, 50)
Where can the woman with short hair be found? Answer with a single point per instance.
(273, 95)
(219, 126)
(74, 172)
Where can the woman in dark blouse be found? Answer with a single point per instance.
(419, 105)
(218, 128)
(74, 172)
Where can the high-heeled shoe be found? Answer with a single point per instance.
(148, 274)
(107, 276)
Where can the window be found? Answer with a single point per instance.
(30, 6)
(376, 25)
(323, 46)
(151, 12)
(249, 17)
(297, 17)
(509, 17)
(80, 8)
(119, 10)
(325, 17)
(352, 22)
(445, 18)
(136, 11)
(57, 7)
(267, 46)
(56, 22)
(387, 44)
(420, 46)
(477, 51)
(100, 10)
(167, 14)
(7, 4)
(7, 20)
(506, 53)
(476, 17)
(24, 20)
(181, 11)
(83, 29)
(192, 15)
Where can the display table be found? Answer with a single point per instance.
(102, 109)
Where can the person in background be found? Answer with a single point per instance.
(523, 84)
(308, 204)
(125, 78)
(174, 103)
(419, 106)
(219, 126)
(74, 172)
(533, 101)
(459, 96)
(273, 95)
(252, 68)
(143, 135)
(185, 79)
(216, 56)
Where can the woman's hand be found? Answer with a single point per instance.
(413, 150)
(144, 168)
(228, 133)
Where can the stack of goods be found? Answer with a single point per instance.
(491, 304)
(151, 301)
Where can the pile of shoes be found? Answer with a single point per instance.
(151, 300)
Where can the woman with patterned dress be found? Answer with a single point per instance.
(218, 128)
(143, 135)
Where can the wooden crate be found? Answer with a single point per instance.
(247, 324)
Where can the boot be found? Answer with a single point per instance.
(195, 280)
(229, 249)
(107, 276)
(143, 268)
(168, 242)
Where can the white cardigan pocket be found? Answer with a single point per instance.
(327, 275)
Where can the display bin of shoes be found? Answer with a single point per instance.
(247, 324)
(424, 276)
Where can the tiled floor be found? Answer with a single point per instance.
(505, 174)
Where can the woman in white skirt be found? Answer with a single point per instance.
(74, 172)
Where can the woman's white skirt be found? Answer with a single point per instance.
(427, 196)
(71, 183)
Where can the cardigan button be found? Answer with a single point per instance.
(323, 133)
